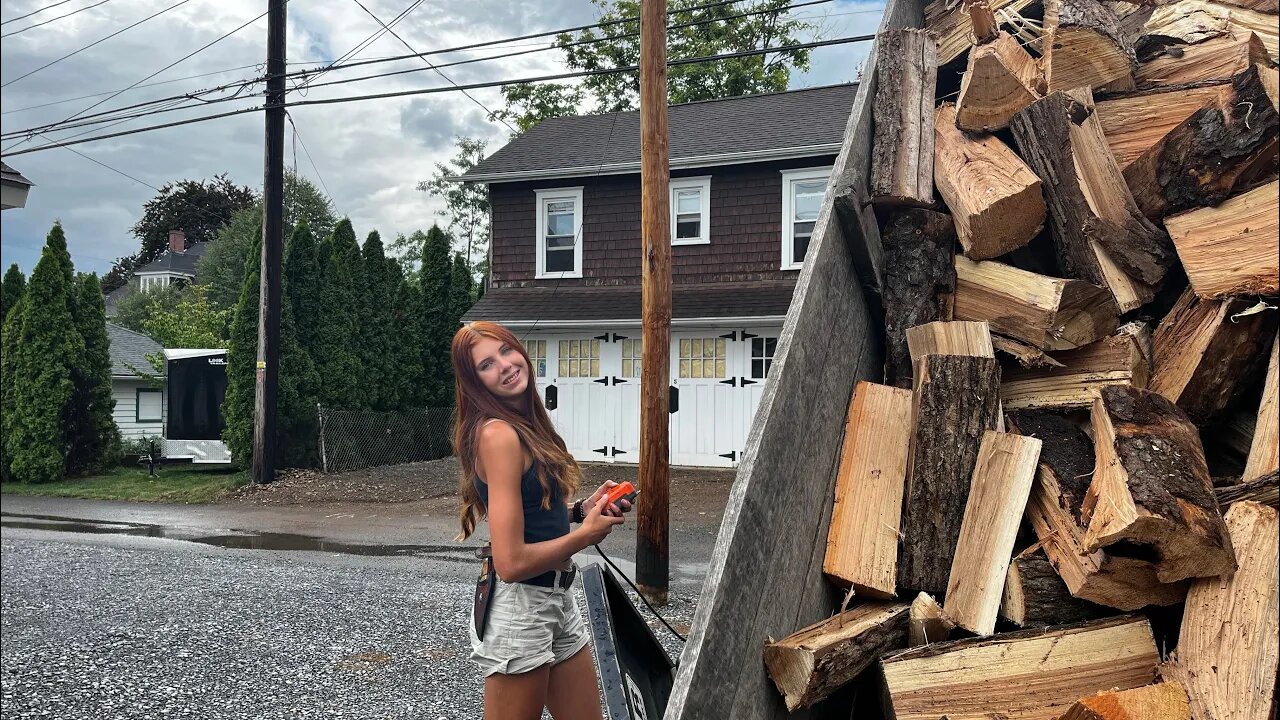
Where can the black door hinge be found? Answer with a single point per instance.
(731, 336)
(617, 337)
(602, 451)
(602, 381)
(746, 382)
(730, 381)
(732, 456)
(617, 452)
(604, 337)
(747, 336)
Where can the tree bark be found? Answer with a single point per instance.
(1034, 595)
(1084, 48)
(919, 281)
(902, 151)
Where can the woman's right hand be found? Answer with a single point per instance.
(597, 525)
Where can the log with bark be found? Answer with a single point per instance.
(1207, 350)
(1002, 78)
(1098, 232)
(1133, 122)
(1164, 701)
(1264, 490)
(1218, 59)
(953, 25)
(902, 147)
(956, 401)
(1062, 480)
(1084, 48)
(1234, 248)
(998, 492)
(919, 281)
(1151, 487)
(862, 542)
(1045, 312)
(927, 623)
(1264, 450)
(1034, 594)
(814, 662)
(1030, 675)
(949, 338)
(1228, 647)
(993, 196)
(1182, 23)
(1200, 162)
(1119, 359)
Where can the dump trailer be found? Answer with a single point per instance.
(765, 577)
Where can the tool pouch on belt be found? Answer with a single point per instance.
(485, 585)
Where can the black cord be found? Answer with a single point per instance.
(640, 594)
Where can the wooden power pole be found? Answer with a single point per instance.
(267, 384)
(652, 550)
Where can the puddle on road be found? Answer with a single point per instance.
(235, 539)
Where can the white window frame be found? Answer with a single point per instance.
(702, 184)
(541, 198)
(137, 405)
(789, 178)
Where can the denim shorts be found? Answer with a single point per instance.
(529, 626)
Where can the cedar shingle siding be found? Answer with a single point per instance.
(746, 228)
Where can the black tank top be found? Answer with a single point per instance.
(539, 524)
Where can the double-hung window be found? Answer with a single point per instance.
(802, 192)
(559, 232)
(691, 211)
(149, 405)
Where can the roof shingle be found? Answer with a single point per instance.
(129, 350)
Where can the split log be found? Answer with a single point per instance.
(1206, 351)
(1026, 355)
(1228, 647)
(1002, 78)
(1183, 23)
(1062, 480)
(862, 543)
(1134, 122)
(927, 623)
(998, 493)
(953, 26)
(1030, 675)
(1264, 451)
(1120, 359)
(919, 281)
(994, 197)
(1151, 487)
(1165, 701)
(1264, 6)
(810, 664)
(1263, 25)
(1048, 313)
(1098, 232)
(902, 150)
(1034, 595)
(1264, 490)
(956, 401)
(1200, 162)
(1218, 59)
(1084, 48)
(949, 338)
(1234, 248)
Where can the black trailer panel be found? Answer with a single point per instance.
(196, 387)
(635, 672)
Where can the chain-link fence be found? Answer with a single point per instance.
(355, 439)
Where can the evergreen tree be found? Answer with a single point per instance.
(406, 348)
(346, 251)
(12, 330)
(93, 440)
(459, 292)
(434, 316)
(334, 356)
(42, 360)
(377, 326)
(296, 422)
(14, 285)
(302, 280)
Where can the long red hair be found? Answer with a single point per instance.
(475, 405)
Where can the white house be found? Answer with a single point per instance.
(140, 403)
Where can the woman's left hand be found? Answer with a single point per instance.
(611, 509)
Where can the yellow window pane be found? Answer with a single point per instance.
(595, 348)
(564, 348)
(708, 368)
(564, 368)
(719, 347)
(695, 369)
(626, 368)
(697, 348)
(595, 368)
(719, 368)
(684, 347)
(684, 368)
(573, 348)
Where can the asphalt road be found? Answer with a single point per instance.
(232, 612)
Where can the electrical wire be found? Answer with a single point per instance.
(37, 11)
(640, 594)
(306, 152)
(73, 53)
(46, 22)
(363, 44)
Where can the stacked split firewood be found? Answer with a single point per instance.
(1060, 503)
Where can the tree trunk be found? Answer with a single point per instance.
(902, 152)
(919, 281)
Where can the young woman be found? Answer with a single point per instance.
(517, 473)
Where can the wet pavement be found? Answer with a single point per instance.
(327, 611)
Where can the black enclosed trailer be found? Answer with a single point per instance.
(195, 385)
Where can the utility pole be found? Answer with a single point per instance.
(653, 519)
(267, 385)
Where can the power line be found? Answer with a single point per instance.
(306, 152)
(37, 11)
(472, 86)
(73, 53)
(46, 22)
(111, 115)
(362, 45)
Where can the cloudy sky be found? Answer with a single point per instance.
(369, 155)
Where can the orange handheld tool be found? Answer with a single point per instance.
(622, 491)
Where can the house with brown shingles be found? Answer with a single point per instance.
(748, 175)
